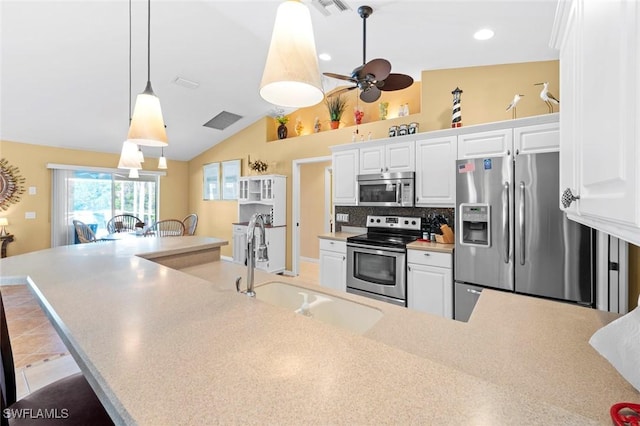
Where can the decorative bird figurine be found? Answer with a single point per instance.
(513, 104)
(547, 97)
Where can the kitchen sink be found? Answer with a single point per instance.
(323, 307)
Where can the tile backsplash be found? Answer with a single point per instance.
(358, 215)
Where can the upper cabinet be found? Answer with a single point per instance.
(490, 143)
(345, 174)
(436, 172)
(388, 158)
(599, 43)
(266, 194)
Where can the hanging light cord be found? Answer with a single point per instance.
(130, 113)
(149, 41)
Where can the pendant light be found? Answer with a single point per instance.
(129, 155)
(147, 125)
(162, 161)
(291, 75)
(140, 155)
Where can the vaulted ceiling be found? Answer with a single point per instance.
(64, 71)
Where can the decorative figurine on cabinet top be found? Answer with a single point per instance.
(456, 119)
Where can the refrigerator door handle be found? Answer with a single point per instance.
(521, 220)
(505, 221)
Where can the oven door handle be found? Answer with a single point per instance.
(376, 248)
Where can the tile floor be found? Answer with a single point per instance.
(39, 356)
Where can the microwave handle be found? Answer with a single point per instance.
(399, 193)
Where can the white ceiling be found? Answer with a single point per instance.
(64, 72)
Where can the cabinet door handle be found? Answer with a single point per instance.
(408, 268)
(568, 198)
(427, 254)
(472, 291)
(344, 258)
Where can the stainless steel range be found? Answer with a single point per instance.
(377, 260)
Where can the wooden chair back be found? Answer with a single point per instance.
(122, 223)
(84, 233)
(190, 223)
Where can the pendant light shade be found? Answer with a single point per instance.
(140, 155)
(291, 75)
(133, 174)
(129, 156)
(162, 161)
(147, 125)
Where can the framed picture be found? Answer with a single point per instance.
(211, 181)
(230, 174)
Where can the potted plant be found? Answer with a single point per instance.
(282, 128)
(336, 105)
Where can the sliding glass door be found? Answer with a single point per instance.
(95, 196)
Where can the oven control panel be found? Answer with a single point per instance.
(397, 222)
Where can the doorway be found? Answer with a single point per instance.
(312, 210)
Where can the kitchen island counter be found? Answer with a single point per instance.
(163, 346)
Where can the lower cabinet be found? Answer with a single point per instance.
(333, 264)
(430, 282)
(240, 243)
(275, 238)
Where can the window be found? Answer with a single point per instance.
(95, 196)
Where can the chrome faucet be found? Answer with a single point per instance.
(256, 220)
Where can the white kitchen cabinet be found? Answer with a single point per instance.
(599, 43)
(490, 143)
(345, 173)
(264, 194)
(388, 158)
(436, 172)
(275, 239)
(239, 243)
(430, 282)
(333, 264)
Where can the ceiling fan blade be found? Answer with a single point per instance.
(371, 94)
(395, 82)
(339, 76)
(379, 68)
(344, 89)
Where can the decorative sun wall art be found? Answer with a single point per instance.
(11, 184)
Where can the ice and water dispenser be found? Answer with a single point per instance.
(476, 225)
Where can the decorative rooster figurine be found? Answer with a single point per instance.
(547, 97)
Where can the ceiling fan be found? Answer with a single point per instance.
(374, 76)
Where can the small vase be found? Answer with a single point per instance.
(282, 131)
(335, 124)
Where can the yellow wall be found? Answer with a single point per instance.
(312, 207)
(32, 160)
(487, 92)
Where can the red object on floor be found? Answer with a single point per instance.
(625, 414)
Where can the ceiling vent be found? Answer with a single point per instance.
(330, 7)
(222, 120)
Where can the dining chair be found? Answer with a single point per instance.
(190, 222)
(167, 228)
(122, 223)
(84, 233)
(71, 399)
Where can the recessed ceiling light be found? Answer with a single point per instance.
(324, 56)
(483, 34)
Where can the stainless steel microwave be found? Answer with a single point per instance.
(386, 189)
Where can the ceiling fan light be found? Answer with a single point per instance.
(291, 76)
(147, 125)
(129, 156)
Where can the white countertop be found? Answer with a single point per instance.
(162, 346)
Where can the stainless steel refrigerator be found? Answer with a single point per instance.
(511, 234)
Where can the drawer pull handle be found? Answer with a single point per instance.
(427, 254)
(472, 291)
